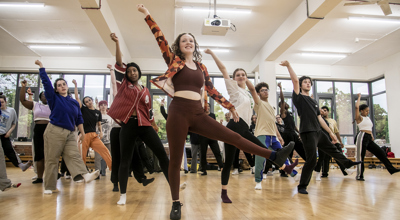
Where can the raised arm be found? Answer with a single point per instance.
(358, 116)
(118, 54)
(30, 94)
(113, 80)
(76, 93)
(48, 88)
(219, 63)
(27, 104)
(293, 76)
(282, 106)
(253, 91)
(158, 34)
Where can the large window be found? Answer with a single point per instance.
(8, 86)
(380, 112)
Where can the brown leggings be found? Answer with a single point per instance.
(186, 115)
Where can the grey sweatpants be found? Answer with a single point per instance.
(4, 181)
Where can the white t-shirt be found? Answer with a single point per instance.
(106, 125)
(241, 99)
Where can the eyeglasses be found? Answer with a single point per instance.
(264, 90)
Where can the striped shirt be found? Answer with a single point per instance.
(130, 98)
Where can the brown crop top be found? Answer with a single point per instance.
(188, 79)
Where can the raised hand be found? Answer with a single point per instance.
(162, 102)
(37, 62)
(23, 83)
(280, 85)
(109, 66)
(207, 51)
(29, 91)
(141, 8)
(114, 37)
(74, 82)
(359, 95)
(284, 63)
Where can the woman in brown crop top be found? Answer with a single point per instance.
(186, 112)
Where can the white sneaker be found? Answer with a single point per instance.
(318, 176)
(91, 176)
(182, 186)
(297, 177)
(264, 176)
(258, 186)
(251, 170)
(48, 192)
(275, 172)
(235, 172)
(67, 177)
(35, 177)
(269, 173)
(350, 171)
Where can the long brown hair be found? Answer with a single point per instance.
(177, 51)
(237, 70)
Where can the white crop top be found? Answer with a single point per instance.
(366, 124)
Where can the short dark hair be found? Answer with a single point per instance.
(362, 107)
(325, 107)
(3, 97)
(260, 85)
(40, 94)
(304, 78)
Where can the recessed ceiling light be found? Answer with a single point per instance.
(324, 54)
(53, 46)
(227, 10)
(21, 4)
(375, 19)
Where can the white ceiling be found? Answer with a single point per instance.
(65, 22)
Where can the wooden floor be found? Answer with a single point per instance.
(336, 197)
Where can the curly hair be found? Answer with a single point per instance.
(177, 51)
(260, 85)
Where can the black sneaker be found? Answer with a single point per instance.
(204, 173)
(283, 154)
(38, 180)
(147, 181)
(115, 189)
(360, 179)
(302, 191)
(176, 211)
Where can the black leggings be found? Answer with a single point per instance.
(243, 130)
(38, 141)
(204, 143)
(312, 140)
(188, 115)
(9, 150)
(364, 142)
(136, 165)
(127, 136)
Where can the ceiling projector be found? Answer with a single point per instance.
(216, 26)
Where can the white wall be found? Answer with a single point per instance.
(390, 68)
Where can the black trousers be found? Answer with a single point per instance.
(242, 129)
(324, 162)
(145, 159)
(127, 137)
(364, 142)
(312, 140)
(298, 145)
(38, 140)
(9, 150)
(204, 143)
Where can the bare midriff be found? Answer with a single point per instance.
(41, 122)
(188, 95)
(368, 132)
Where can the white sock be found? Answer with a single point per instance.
(122, 199)
(318, 176)
(182, 186)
